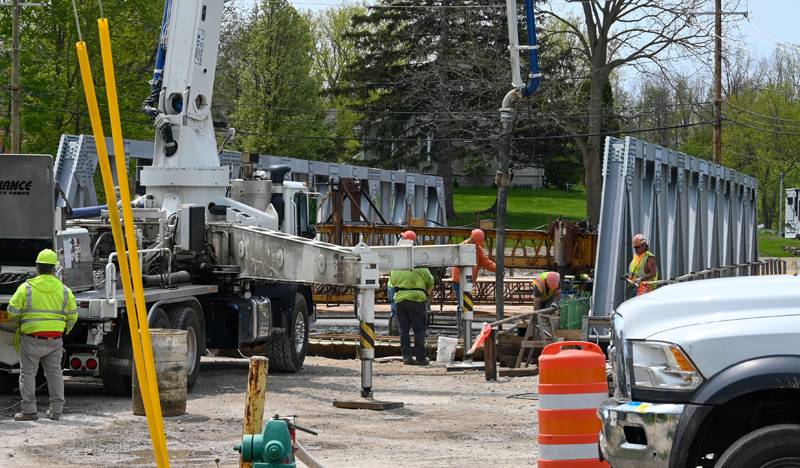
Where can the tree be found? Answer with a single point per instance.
(335, 52)
(434, 78)
(615, 34)
(52, 95)
(278, 108)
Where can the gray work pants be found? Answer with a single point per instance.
(33, 351)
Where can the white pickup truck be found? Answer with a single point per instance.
(707, 374)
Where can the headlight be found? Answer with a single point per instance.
(663, 366)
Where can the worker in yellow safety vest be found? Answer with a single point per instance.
(546, 290)
(643, 269)
(42, 310)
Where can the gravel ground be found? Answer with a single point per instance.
(449, 419)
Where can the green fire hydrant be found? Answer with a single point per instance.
(270, 449)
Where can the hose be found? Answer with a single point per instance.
(305, 457)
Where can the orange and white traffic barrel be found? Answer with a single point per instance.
(572, 385)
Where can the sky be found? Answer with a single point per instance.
(770, 23)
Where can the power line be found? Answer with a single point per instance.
(767, 130)
(470, 140)
(770, 117)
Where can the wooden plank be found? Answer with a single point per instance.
(534, 344)
(520, 372)
(368, 403)
(570, 335)
(490, 356)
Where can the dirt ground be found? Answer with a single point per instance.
(449, 420)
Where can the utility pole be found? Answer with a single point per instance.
(16, 135)
(503, 181)
(718, 14)
(16, 90)
(718, 82)
(781, 193)
(520, 90)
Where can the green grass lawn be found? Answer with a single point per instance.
(770, 245)
(527, 209)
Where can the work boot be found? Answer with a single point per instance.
(26, 416)
(54, 416)
(421, 363)
(408, 361)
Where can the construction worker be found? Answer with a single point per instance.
(643, 268)
(477, 236)
(390, 290)
(546, 290)
(412, 290)
(42, 310)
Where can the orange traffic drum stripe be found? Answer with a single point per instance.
(569, 422)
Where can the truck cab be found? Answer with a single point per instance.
(706, 374)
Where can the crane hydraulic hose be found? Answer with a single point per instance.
(535, 76)
(150, 105)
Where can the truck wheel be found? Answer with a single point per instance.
(7, 382)
(117, 384)
(769, 447)
(187, 318)
(287, 350)
(116, 360)
(159, 319)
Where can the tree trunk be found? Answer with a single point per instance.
(593, 150)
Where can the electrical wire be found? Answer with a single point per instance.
(20, 401)
(477, 139)
(756, 127)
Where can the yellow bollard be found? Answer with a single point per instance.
(127, 213)
(154, 422)
(254, 402)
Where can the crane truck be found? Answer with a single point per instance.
(232, 262)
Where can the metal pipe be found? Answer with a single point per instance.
(302, 455)
(365, 301)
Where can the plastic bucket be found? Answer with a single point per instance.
(446, 349)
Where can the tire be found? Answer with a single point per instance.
(159, 319)
(7, 382)
(117, 347)
(394, 326)
(117, 384)
(287, 350)
(187, 318)
(769, 447)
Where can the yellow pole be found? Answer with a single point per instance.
(156, 434)
(127, 213)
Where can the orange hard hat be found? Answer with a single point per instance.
(553, 280)
(477, 236)
(639, 239)
(409, 235)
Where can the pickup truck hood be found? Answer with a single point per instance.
(709, 302)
